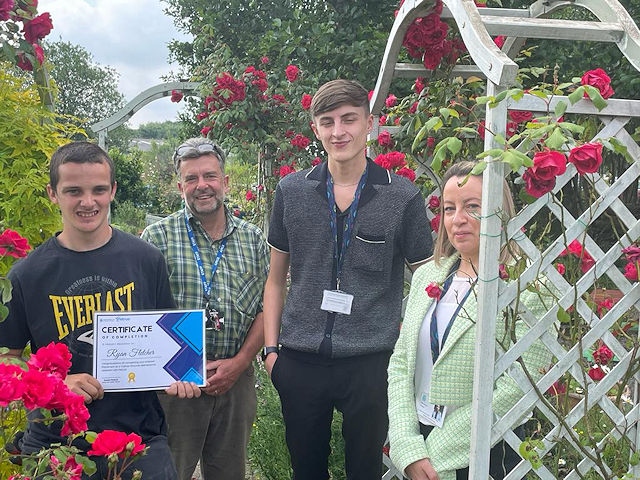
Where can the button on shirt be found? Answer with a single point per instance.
(238, 284)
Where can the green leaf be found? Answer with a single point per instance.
(434, 123)
(563, 316)
(576, 95)
(556, 140)
(494, 153)
(478, 168)
(419, 137)
(483, 100)
(454, 145)
(5, 290)
(4, 312)
(561, 107)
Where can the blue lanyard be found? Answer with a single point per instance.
(435, 344)
(206, 286)
(348, 224)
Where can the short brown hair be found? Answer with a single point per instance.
(78, 152)
(337, 93)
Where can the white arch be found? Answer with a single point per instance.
(103, 127)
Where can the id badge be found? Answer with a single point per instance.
(337, 301)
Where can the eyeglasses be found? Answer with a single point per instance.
(189, 151)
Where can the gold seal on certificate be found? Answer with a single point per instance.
(148, 350)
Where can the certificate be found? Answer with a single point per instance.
(148, 350)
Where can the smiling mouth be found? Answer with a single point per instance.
(92, 213)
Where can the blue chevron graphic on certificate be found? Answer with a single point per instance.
(148, 350)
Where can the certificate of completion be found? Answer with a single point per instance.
(148, 350)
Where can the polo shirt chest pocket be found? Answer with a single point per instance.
(368, 252)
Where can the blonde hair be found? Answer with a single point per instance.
(443, 247)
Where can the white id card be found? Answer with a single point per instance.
(336, 301)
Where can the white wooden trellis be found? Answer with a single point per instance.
(476, 25)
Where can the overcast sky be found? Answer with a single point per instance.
(130, 36)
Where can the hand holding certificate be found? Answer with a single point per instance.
(148, 350)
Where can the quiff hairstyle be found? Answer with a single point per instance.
(443, 247)
(337, 93)
(78, 152)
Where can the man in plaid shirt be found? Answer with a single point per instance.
(219, 263)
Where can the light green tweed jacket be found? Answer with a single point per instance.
(452, 378)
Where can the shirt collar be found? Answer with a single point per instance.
(231, 220)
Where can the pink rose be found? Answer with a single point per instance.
(12, 386)
(632, 253)
(433, 290)
(561, 268)
(503, 273)
(264, 60)
(77, 415)
(587, 158)
(599, 79)
(108, 442)
(292, 73)
(306, 101)
(55, 359)
(391, 100)
(499, 40)
(631, 271)
(385, 140)
(38, 28)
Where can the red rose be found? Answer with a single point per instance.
(38, 53)
(205, 131)
(38, 28)
(316, 161)
(418, 85)
(561, 268)
(548, 164)
(13, 244)
(536, 187)
(435, 223)
(300, 141)
(385, 140)
(5, 9)
(391, 160)
(55, 359)
(575, 247)
(587, 158)
(596, 373)
(481, 129)
(264, 60)
(176, 96)
(558, 388)
(383, 120)
(250, 196)
(632, 253)
(599, 79)
(286, 170)
(520, 116)
(602, 355)
(292, 73)
(433, 290)
(407, 173)
(604, 306)
(503, 273)
(434, 202)
(39, 388)
(306, 101)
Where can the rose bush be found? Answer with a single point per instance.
(21, 30)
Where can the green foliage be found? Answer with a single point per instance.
(29, 134)
(159, 178)
(159, 130)
(84, 89)
(268, 454)
(129, 218)
(129, 177)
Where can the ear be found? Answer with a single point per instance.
(226, 184)
(52, 193)
(114, 188)
(370, 123)
(315, 129)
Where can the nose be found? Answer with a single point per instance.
(337, 129)
(460, 216)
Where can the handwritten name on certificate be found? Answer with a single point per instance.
(148, 350)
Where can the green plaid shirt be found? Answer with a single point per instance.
(238, 284)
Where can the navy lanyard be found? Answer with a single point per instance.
(339, 254)
(206, 286)
(435, 344)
